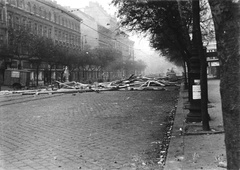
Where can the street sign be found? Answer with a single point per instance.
(15, 74)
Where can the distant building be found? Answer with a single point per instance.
(45, 18)
(89, 29)
(212, 60)
(110, 31)
(96, 11)
(105, 37)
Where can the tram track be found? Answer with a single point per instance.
(15, 99)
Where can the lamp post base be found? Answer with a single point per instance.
(194, 114)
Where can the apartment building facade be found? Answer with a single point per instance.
(89, 29)
(45, 18)
(111, 35)
(117, 38)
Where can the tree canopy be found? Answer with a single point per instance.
(166, 23)
(43, 53)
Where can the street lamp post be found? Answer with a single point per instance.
(194, 114)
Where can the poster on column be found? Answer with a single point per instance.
(196, 92)
(15, 74)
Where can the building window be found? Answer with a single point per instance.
(67, 38)
(56, 34)
(40, 30)
(37, 11)
(34, 9)
(35, 28)
(49, 16)
(1, 15)
(63, 37)
(55, 18)
(14, 64)
(26, 64)
(30, 25)
(45, 14)
(49, 32)
(10, 20)
(59, 36)
(14, 2)
(79, 40)
(24, 22)
(17, 22)
(76, 27)
(72, 39)
(1, 40)
(25, 49)
(28, 7)
(76, 40)
(40, 12)
(45, 32)
(19, 3)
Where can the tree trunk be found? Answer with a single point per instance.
(185, 75)
(50, 74)
(37, 74)
(204, 92)
(226, 16)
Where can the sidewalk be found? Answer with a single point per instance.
(190, 147)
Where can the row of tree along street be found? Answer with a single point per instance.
(178, 30)
(37, 50)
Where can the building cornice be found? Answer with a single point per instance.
(60, 8)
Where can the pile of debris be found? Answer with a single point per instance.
(138, 83)
(131, 83)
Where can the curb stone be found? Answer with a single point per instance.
(176, 146)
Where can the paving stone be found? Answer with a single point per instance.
(89, 130)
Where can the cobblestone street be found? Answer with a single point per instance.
(93, 131)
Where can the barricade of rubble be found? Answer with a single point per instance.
(132, 83)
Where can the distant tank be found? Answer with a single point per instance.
(171, 75)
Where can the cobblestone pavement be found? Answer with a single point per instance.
(93, 131)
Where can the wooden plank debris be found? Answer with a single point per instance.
(131, 83)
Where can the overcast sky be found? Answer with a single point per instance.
(83, 3)
(155, 63)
